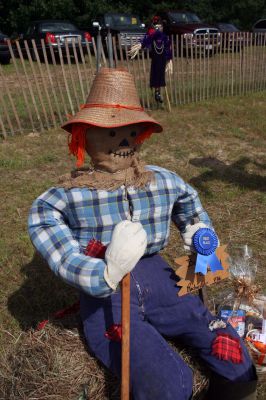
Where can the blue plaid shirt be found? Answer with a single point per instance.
(63, 221)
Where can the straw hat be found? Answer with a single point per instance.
(112, 102)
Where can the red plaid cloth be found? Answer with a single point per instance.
(95, 248)
(114, 333)
(226, 347)
(73, 309)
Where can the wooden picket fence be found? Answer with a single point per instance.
(40, 89)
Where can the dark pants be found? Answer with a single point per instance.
(156, 371)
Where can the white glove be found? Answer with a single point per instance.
(128, 244)
(169, 67)
(189, 233)
(134, 50)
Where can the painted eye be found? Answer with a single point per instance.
(112, 133)
(133, 134)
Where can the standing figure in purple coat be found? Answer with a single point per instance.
(161, 55)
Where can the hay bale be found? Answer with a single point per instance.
(54, 364)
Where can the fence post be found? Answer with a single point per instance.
(51, 81)
(20, 83)
(73, 83)
(43, 81)
(78, 69)
(36, 83)
(64, 77)
(6, 88)
(29, 86)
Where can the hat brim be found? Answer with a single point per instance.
(111, 118)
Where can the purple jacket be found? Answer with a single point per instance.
(159, 38)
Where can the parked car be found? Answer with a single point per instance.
(197, 36)
(4, 50)
(234, 39)
(259, 26)
(55, 33)
(127, 27)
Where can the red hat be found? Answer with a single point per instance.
(156, 20)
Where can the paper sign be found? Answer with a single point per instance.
(191, 281)
(134, 21)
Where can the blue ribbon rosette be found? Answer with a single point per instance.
(205, 242)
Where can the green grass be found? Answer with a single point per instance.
(217, 146)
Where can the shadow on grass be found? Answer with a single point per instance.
(234, 173)
(41, 294)
(37, 357)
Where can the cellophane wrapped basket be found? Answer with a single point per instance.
(258, 355)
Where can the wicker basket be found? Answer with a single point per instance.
(258, 357)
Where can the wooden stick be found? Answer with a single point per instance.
(78, 69)
(37, 86)
(115, 50)
(263, 63)
(145, 78)
(64, 76)
(187, 72)
(91, 73)
(142, 90)
(6, 113)
(58, 77)
(6, 88)
(103, 53)
(208, 67)
(3, 133)
(220, 75)
(167, 98)
(28, 80)
(71, 74)
(182, 69)
(174, 71)
(232, 63)
(81, 52)
(202, 69)
(20, 83)
(44, 82)
(125, 360)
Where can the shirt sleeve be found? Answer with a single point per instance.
(146, 42)
(52, 237)
(187, 208)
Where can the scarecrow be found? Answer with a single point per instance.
(161, 55)
(113, 218)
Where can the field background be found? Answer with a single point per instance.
(217, 146)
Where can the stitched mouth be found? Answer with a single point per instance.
(123, 153)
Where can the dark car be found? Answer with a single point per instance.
(233, 40)
(259, 26)
(55, 33)
(127, 27)
(4, 50)
(259, 30)
(197, 36)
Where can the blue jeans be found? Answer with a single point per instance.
(156, 371)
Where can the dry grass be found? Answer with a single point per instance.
(218, 147)
(54, 364)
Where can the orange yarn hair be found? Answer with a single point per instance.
(144, 135)
(77, 142)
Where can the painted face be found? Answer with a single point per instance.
(158, 27)
(113, 149)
